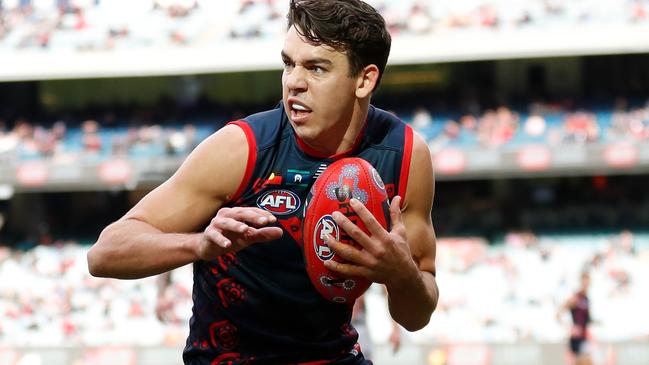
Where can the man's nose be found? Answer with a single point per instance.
(296, 79)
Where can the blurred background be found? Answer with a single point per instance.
(537, 118)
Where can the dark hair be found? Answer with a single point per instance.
(348, 26)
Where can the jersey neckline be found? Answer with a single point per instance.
(312, 152)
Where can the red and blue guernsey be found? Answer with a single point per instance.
(258, 306)
(580, 314)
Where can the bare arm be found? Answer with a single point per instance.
(413, 297)
(162, 231)
(404, 258)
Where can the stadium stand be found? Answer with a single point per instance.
(98, 25)
(526, 239)
(99, 38)
(528, 277)
(503, 127)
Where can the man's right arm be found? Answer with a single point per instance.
(162, 231)
(566, 306)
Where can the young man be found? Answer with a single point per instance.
(253, 301)
(579, 308)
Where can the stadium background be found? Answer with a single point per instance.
(536, 113)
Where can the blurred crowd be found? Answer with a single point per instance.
(26, 140)
(510, 292)
(264, 18)
(95, 25)
(437, 16)
(542, 123)
(53, 301)
(107, 24)
(550, 124)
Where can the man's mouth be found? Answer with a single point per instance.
(299, 110)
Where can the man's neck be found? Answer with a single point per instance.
(350, 135)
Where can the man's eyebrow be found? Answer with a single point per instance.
(318, 61)
(312, 61)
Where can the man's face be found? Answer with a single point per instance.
(318, 93)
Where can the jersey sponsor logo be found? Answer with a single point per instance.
(326, 225)
(297, 177)
(280, 202)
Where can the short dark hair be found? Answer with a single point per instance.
(348, 26)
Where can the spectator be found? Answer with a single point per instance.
(535, 125)
(421, 119)
(91, 139)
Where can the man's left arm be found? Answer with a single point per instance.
(414, 297)
(402, 259)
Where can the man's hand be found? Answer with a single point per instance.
(233, 229)
(385, 257)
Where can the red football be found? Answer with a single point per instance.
(347, 178)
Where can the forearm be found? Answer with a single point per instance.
(132, 249)
(412, 304)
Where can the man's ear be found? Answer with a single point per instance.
(367, 81)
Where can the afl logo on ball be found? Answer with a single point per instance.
(280, 202)
(326, 225)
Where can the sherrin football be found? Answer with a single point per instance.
(347, 178)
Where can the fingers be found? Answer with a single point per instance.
(264, 234)
(213, 234)
(370, 241)
(241, 226)
(254, 216)
(380, 248)
(241, 220)
(216, 243)
(395, 211)
(372, 225)
(347, 270)
(225, 224)
(350, 253)
(355, 232)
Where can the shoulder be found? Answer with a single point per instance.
(421, 177)
(274, 114)
(384, 120)
(224, 154)
(378, 114)
(206, 179)
(386, 128)
(420, 148)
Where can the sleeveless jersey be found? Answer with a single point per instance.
(580, 314)
(258, 306)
